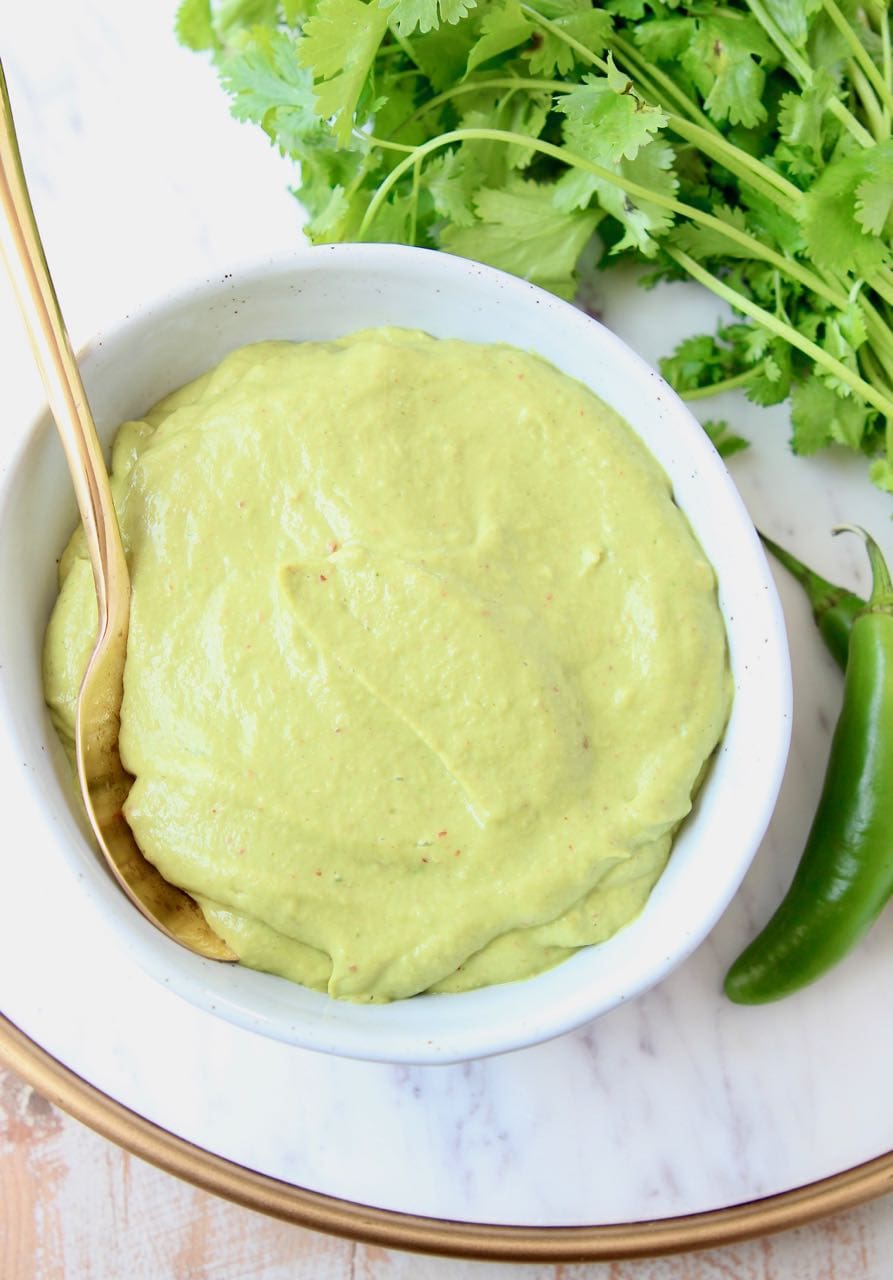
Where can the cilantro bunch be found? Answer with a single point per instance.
(745, 145)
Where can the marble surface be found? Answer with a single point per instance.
(677, 1103)
(77, 1208)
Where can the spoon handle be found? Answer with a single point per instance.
(22, 251)
(104, 782)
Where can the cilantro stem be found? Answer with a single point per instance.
(860, 54)
(406, 45)
(699, 129)
(877, 378)
(414, 208)
(880, 334)
(798, 64)
(849, 121)
(876, 321)
(874, 356)
(628, 53)
(491, 82)
(716, 388)
(803, 72)
(880, 344)
(787, 332)
(882, 283)
(886, 51)
(873, 370)
(745, 166)
(870, 105)
(755, 249)
(386, 144)
(721, 205)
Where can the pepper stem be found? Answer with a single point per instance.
(834, 608)
(881, 598)
(821, 593)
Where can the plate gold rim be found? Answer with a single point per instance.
(391, 1229)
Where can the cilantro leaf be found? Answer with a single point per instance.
(851, 323)
(874, 199)
(339, 44)
(841, 211)
(664, 39)
(503, 27)
(442, 54)
(551, 54)
(394, 220)
(523, 115)
(194, 26)
(725, 59)
(269, 87)
(293, 11)
(606, 122)
(642, 221)
(772, 224)
(704, 242)
(452, 179)
(329, 220)
(519, 230)
(771, 379)
(826, 46)
(820, 417)
(697, 362)
(793, 17)
(724, 440)
(881, 473)
(407, 15)
(796, 154)
(801, 117)
(234, 17)
(632, 9)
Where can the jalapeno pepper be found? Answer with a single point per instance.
(845, 875)
(834, 608)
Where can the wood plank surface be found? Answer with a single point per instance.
(75, 1207)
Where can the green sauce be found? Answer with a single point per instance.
(424, 662)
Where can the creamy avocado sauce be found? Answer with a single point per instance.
(424, 662)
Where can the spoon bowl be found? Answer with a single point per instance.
(104, 783)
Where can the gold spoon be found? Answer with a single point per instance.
(103, 780)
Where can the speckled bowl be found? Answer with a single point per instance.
(321, 293)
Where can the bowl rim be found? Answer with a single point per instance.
(564, 999)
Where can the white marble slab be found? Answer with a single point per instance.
(676, 1103)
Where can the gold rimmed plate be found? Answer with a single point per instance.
(484, 1241)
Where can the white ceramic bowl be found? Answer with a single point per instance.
(321, 293)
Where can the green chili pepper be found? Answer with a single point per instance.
(845, 875)
(833, 607)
